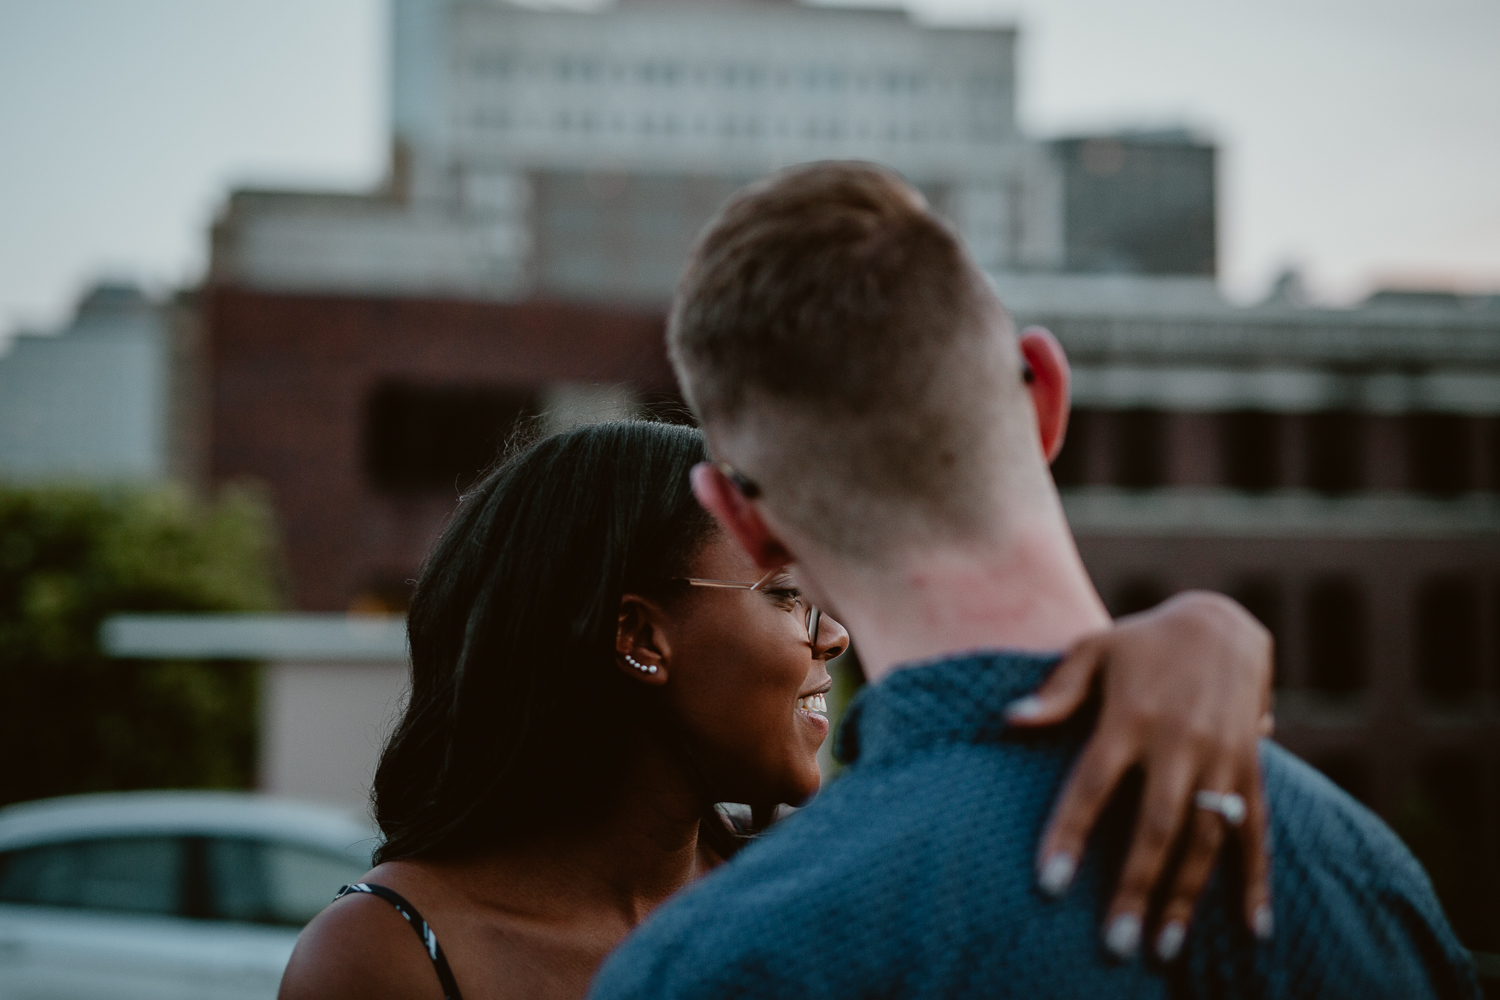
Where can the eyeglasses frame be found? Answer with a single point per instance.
(814, 613)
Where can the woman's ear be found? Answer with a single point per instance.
(642, 650)
(1049, 382)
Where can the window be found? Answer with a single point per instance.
(1447, 638)
(1491, 428)
(1335, 453)
(1137, 594)
(124, 874)
(1071, 466)
(426, 438)
(1349, 771)
(261, 881)
(1446, 830)
(1140, 448)
(1252, 443)
(1335, 636)
(1440, 453)
(1262, 596)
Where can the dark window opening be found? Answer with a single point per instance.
(1070, 468)
(1447, 638)
(1349, 771)
(439, 438)
(1440, 453)
(1252, 441)
(1264, 598)
(1140, 448)
(1443, 825)
(1137, 594)
(1335, 636)
(1495, 629)
(1491, 427)
(1335, 452)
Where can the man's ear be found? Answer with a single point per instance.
(738, 516)
(1050, 384)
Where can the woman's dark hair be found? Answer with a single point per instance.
(518, 712)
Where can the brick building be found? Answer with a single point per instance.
(1336, 470)
(365, 416)
(1339, 473)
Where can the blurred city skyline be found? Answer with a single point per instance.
(1358, 141)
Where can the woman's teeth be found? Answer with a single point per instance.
(813, 703)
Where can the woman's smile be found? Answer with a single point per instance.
(814, 709)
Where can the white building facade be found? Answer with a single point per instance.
(90, 402)
(576, 154)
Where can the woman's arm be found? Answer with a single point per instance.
(1186, 693)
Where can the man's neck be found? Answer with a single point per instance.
(1027, 591)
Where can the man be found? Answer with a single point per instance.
(881, 426)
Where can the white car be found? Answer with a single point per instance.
(164, 895)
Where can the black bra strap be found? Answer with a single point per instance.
(429, 938)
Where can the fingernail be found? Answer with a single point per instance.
(1169, 941)
(1025, 708)
(1124, 935)
(1056, 875)
(1263, 924)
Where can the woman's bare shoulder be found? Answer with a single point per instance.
(359, 946)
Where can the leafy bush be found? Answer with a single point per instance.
(72, 720)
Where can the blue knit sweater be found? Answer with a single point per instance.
(912, 876)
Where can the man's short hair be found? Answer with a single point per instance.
(836, 339)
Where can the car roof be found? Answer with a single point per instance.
(241, 814)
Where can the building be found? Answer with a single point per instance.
(1336, 470)
(557, 154)
(365, 416)
(90, 402)
(1136, 203)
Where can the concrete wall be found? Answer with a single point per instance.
(322, 727)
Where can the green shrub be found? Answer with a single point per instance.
(72, 720)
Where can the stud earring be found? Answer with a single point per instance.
(640, 666)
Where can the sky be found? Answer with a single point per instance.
(1359, 139)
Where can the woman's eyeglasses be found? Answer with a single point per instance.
(814, 616)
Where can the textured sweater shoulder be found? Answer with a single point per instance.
(912, 876)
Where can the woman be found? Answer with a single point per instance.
(594, 666)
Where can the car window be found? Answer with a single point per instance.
(271, 882)
(131, 874)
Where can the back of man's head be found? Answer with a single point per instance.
(846, 354)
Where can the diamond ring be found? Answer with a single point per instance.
(1226, 804)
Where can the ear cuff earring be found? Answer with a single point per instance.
(639, 665)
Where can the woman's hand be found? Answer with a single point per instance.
(1186, 697)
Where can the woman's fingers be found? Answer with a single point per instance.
(1209, 829)
(1186, 692)
(1256, 857)
(1206, 836)
(1164, 808)
(1096, 773)
(1063, 692)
